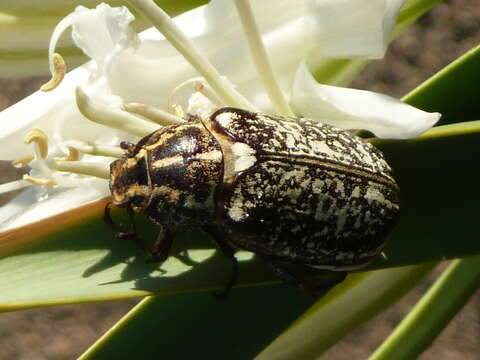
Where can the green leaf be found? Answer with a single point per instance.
(183, 326)
(433, 312)
(458, 102)
(437, 183)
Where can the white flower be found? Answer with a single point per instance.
(145, 69)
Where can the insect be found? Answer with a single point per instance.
(293, 191)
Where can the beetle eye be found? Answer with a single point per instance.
(125, 145)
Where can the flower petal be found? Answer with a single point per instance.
(354, 28)
(383, 115)
(111, 26)
(150, 72)
(31, 206)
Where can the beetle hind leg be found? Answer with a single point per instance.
(316, 284)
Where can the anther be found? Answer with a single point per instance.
(73, 155)
(58, 69)
(41, 139)
(21, 162)
(40, 182)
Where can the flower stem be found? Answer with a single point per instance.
(192, 54)
(95, 149)
(260, 58)
(99, 170)
(153, 114)
(13, 185)
(114, 118)
(433, 312)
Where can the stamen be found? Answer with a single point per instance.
(58, 69)
(153, 114)
(208, 92)
(73, 155)
(111, 117)
(94, 149)
(191, 53)
(40, 139)
(21, 162)
(99, 170)
(39, 181)
(13, 185)
(201, 86)
(178, 110)
(260, 58)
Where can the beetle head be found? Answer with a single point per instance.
(129, 183)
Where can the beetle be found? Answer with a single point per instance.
(295, 192)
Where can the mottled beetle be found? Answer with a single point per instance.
(292, 191)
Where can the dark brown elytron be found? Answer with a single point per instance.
(293, 191)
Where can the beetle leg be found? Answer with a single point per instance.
(134, 232)
(324, 283)
(160, 251)
(229, 252)
(107, 218)
(314, 286)
(280, 270)
(122, 233)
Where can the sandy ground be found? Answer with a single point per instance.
(439, 37)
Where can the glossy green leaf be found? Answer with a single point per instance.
(433, 312)
(183, 326)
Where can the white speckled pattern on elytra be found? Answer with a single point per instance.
(314, 194)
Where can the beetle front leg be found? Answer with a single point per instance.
(123, 233)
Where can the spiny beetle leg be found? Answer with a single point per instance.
(107, 218)
(160, 251)
(122, 233)
(323, 284)
(229, 252)
(315, 286)
(280, 270)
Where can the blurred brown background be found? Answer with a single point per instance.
(439, 37)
